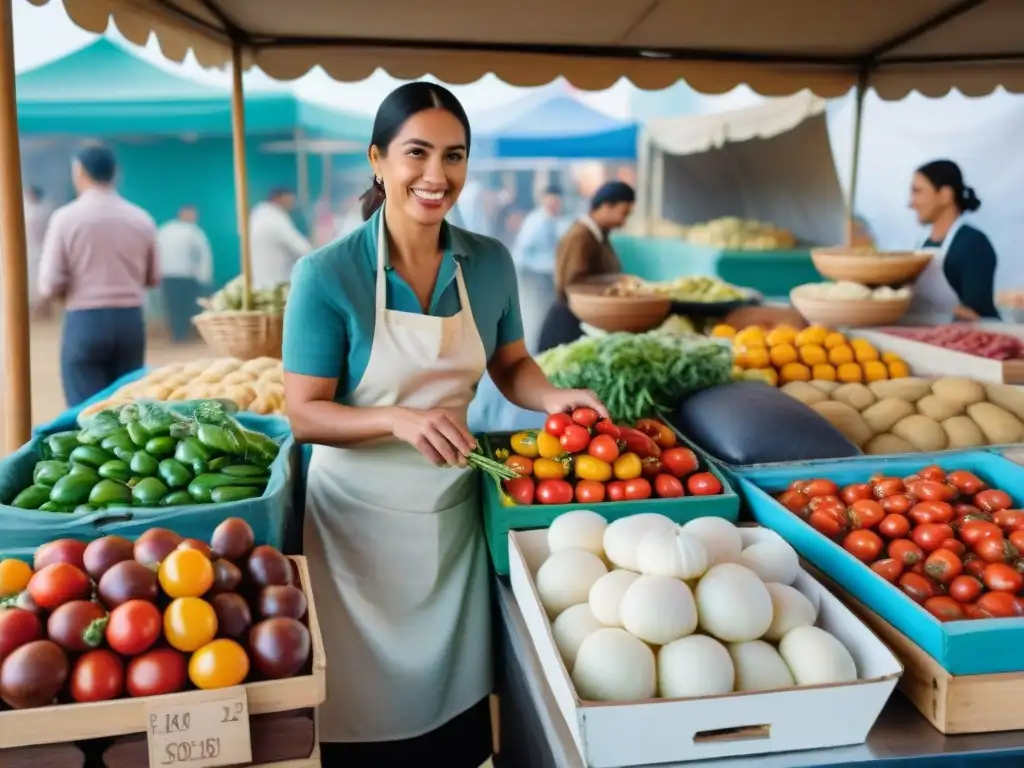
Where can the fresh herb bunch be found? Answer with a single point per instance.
(495, 469)
(639, 375)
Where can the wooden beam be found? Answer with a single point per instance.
(241, 171)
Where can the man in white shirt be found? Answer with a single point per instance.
(534, 255)
(37, 216)
(186, 263)
(276, 242)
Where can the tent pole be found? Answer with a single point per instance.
(241, 171)
(858, 121)
(301, 169)
(17, 371)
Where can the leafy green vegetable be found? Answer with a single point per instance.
(637, 375)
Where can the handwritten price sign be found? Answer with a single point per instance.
(210, 730)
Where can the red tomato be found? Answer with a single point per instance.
(585, 417)
(898, 504)
(943, 566)
(590, 492)
(615, 490)
(668, 487)
(974, 566)
(639, 443)
(965, 588)
(1009, 519)
(855, 492)
(58, 583)
(865, 545)
(134, 626)
(521, 490)
(18, 627)
(703, 484)
(993, 549)
(992, 501)
(660, 433)
(916, 586)
(974, 531)
(520, 464)
(828, 521)
(955, 546)
(1000, 577)
(884, 487)
(554, 492)
(866, 513)
(156, 673)
(932, 472)
(795, 502)
(821, 487)
(605, 448)
(574, 438)
(637, 489)
(826, 502)
(97, 676)
(944, 608)
(798, 485)
(606, 427)
(927, 490)
(1017, 539)
(894, 526)
(960, 509)
(965, 482)
(680, 461)
(931, 512)
(556, 424)
(651, 467)
(888, 569)
(906, 552)
(997, 605)
(930, 536)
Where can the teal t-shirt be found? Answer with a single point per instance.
(329, 319)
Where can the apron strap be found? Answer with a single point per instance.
(464, 302)
(381, 299)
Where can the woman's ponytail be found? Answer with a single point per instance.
(969, 200)
(372, 199)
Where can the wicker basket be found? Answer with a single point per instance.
(633, 314)
(856, 313)
(869, 268)
(243, 335)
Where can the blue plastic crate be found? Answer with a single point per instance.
(987, 646)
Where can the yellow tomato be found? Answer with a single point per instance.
(813, 334)
(813, 354)
(525, 444)
(840, 355)
(589, 468)
(849, 373)
(220, 664)
(875, 370)
(722, 331)
(548, 445)
(752, 334)
(757, 357)
(627, 467)
(833, 340)
(189, 623)
(186, 573)
(14, 576)
(898, 369)
(823, 372)
(770, 375)
(891, 357)
(549, 469)
(780, 334)
(794, 372)
(782, 354)
(865, 353)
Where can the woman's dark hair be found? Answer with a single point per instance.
(401, 104)
(946, 173)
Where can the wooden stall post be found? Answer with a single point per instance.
(858, 121)
(17, 372)
(241, 171)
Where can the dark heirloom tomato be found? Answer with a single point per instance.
(944, 608)
(992, 501)
(865, 545)
(894, 526)
(930, 536)
(855, 492)
(906, 552)
(917, 587)
(888, 569)
(866, 513)
(931, 512)
(943, 566)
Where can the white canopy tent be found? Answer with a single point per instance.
(772, 162)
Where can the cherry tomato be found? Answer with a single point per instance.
(1009, 519)
(917, 587)
(589, 468)
(574, 438)
(627, 466)
(829, 521)
(965, 588)
(932, 472)
(190, 623)
(660, 433)
(585, 417)
(1017, 539)
(930, 536)
(156, 672)
(58, 583)
(637, 489)
(651, 467)
(554, 492)
(967, 483)
(955, 546)
(866, 513)
(186, 573)
(556, 424)
(1000, 577)
(605, 448)
(97, 676)
(14, 576)
(931, 512)
(590, 492)
(884, 487)
(943, 566)
(668, 487)
(927, 490)
(221, 664)
(944, 608)
(974, 531)
(795, 502)
(703, 484)
(889, 569)
(550, 469)
(680, 461)
(994, 549)
(133, 627)
(18, 627)
(606, 427)
(894, 526)
(865, 545)
(906, 552)
(525, 443)
(855, 492)
(992, 501)
(997, 605)
(521, 464)
(549, 446)
(898, 504)
(639, 443)
(615, 490)
(821, 487)
(521, 490)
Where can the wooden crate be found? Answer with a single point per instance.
(77, 722)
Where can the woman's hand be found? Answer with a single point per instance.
(564, 400)
(438, 435)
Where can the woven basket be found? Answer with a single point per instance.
(243, 335)
(869, 268)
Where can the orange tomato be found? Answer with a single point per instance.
(549, 469)
(660, 433)
(589, 468)
(549, 446)
(627, 466)
(186, 573)
(218, 664)
(189, 623)
(14, 576)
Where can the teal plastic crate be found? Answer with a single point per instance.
(983, 646)
(500, 517)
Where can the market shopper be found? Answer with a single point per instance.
(959, 281)
(276, 243)
(186, 269)
(534, 253)
(99, 256)
(387, 333)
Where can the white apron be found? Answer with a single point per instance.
(395, 545)
(934, 300)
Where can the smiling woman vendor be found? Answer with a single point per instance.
(387, 333)
(958, 282)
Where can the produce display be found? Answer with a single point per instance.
(230, 298)
(254, 385)
(741, 235)
(643, 608)
(917, 415)
(960, 338)
(144, 454)
(945, 539)
(784, 354)
(693, 288)
(112, 619)
(846, 291)
(590, 460)
(635, 375)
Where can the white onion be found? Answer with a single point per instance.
(721, 538)
(817, 658)
(612, 665)
(697, 665)
(790, 609)
(672, 553)
(606, 596)
(759, 667)
(622, 537)
(571, 628)
(772, 560)
(579, 529)
(733, 603)
(565, 579)
(658, 609)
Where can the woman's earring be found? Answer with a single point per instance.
(378, 179)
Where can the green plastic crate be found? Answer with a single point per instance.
(500, 518)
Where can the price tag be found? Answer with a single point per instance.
(209, 729)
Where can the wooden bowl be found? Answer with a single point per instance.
(858, 313)
(869, 268)
(633, 314)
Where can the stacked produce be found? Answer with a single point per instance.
(913, 414)
(147, 455)
(741, 235)
(784, 354)
(945, 539)
(254, 385)
(230, 298)
(847, 291)
(96, 622)
(635, 375)
(682, 612)
(592, 460)
(693, 288)
(971, 341)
